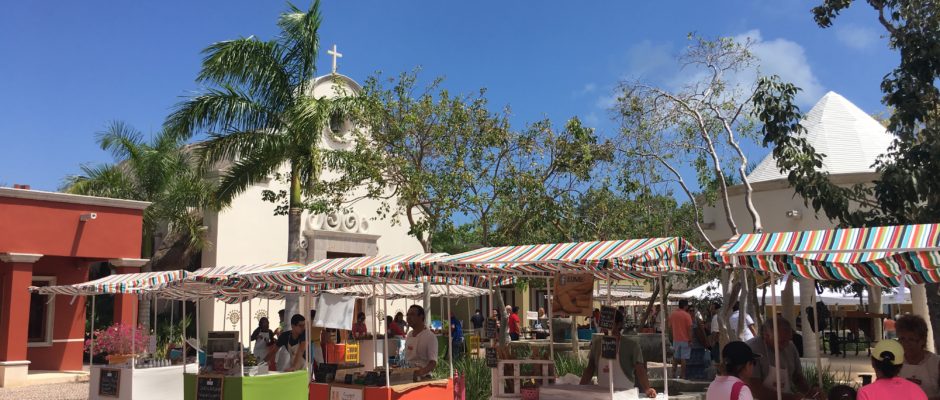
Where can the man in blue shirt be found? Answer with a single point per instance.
(456, 334)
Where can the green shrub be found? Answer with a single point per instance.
(829, 378)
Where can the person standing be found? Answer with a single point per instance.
(420, 345)
(680, 321)
(629, 368)
(400, 320)
(456, 335)
(888, 359)
(513, 322)
(920, 366)
(359, 329)
(477, 322)
(749, 332)
(890, 329)
(737, 366)
(293, 345)
(263, 337)
(793, 383)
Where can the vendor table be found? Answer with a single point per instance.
(442, 389)
(287, 385)
(125, 383)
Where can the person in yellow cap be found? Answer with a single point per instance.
(887, 358)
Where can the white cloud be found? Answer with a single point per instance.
(786, 59)
(856, 37)
(647, 58)
(588, 88)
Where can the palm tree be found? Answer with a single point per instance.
(259, 114)
(162, 172)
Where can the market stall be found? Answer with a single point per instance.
(888, 256)
(570, 270)
(128, 375)
(384, 380)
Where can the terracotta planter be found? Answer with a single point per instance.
(115, 359)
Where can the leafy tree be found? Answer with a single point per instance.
(908, 190)
(160, 170)
(693, 135)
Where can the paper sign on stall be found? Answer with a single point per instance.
(609, 348)
(608, 315)
(109, 383)
(345, 393)
(573, 295)
(335, 311)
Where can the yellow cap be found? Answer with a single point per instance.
(889, 350)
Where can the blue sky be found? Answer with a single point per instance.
(67, 68)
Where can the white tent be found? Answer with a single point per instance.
(828, 296)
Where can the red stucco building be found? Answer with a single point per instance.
(51, 239)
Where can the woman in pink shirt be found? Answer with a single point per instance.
(738, 364)
(887, 358)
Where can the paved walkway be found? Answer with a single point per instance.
(61, 391)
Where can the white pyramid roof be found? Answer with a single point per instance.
(851, 139)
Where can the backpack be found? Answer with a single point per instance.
(736, 390)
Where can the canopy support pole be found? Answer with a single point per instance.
(387, 332)
(183, 327)
(308, 361)
(551, 328)
(450, 338)
(241, 333)
(818, 336)
(616, 335)
(662, 333)
(91, 343)
(134, 336)
(773, 307)
(375, 330)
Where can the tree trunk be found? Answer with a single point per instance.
(294, 212)
(789, 311)
(920, 304)
(807, 300)
(874, 306)
(933, 307)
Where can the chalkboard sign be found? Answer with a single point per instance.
(491, 329)
(492, 360)
(608, 314)
(609, 347)
(209, 387)
(109, 383)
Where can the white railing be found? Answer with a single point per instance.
(507, 377)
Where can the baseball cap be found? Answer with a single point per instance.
(737, 353)
(889, 350)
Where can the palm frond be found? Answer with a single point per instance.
(106, 180)
(229, 147)
(251, 168)
(221, 109)
(122, 140)
(248, 63)
(301, 38)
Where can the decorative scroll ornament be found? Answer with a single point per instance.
(234, 316)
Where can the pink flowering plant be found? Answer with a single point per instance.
(119, 339)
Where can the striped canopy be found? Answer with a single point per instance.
(874, 256)
(135, 283)
(344, 271)
(412, 291)
(618, 259)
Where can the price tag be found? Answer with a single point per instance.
(608, 315)
(609, 347)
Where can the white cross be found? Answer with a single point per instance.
(335, 55)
